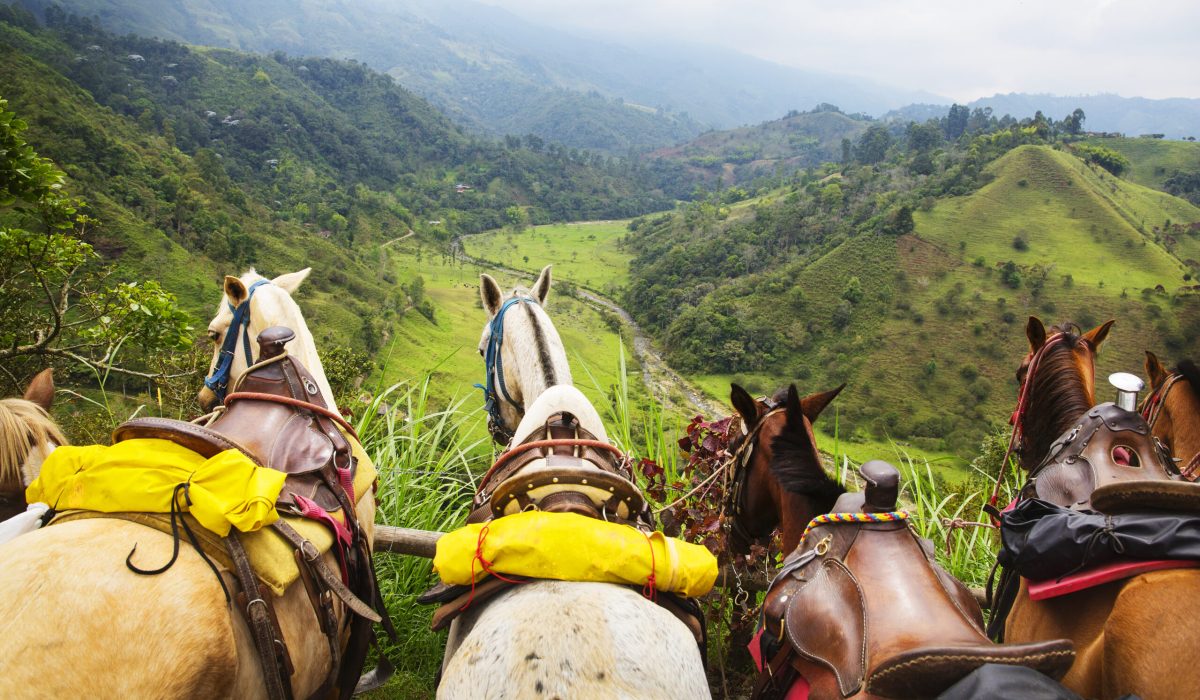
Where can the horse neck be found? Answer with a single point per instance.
(534, 349)
(1060, 394)
(1181, 428)
(796, 512)
(274, 307)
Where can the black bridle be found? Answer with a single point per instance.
(737, 471)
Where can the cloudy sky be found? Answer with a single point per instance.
(961, 49)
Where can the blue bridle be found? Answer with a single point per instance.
(218, 383)
(494, 364)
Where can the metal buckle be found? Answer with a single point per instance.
(822, 547)
(250, 605)
(306, 547)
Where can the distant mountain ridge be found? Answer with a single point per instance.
(1132, 116)
(500, 74)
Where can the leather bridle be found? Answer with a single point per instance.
(1152, 408)
(218, 382)
(737, 471)
(494, 364)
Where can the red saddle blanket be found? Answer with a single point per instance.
(799, 689)
(1052, 588)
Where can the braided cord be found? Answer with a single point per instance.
(834, 518)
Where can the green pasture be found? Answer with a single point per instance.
(588, 254)
(1154, 160)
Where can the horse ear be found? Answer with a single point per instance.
(1098, 334)
(1035, 330)
(745, 404)
(795, 409)
(41, 389)
(1155, 370)
(489, 292)
(291, 281)
(235, 290)
(813, 405)
(541, 288)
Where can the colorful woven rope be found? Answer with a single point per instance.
(832, 518)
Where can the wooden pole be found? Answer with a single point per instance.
(403, 540)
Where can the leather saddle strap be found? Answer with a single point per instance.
(330, 580)
(322, 605)
(295, 403)
(771, 684)
(268, 643)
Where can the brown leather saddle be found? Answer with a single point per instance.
(1109, 462)
(863, 607)
(580, 474)
(278, 418)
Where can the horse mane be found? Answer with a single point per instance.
(23, 425)
(793, 465)
(1057, 396)
(1191, 373)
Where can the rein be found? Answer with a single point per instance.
(494, 364)
(1017, 419)
(1153, 405)
(218, 382)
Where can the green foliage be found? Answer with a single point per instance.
(853, 292)
(1106, 158)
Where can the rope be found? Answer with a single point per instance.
(689, 494)
(650, 590)
(485, 565)
(952, 524)
(840, 518)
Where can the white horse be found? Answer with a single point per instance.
(556, 638)
(27, 436)
(531, 356)
(75, 622)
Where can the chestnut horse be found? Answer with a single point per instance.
(777, 479)
(1173, 411)
(1128, 634)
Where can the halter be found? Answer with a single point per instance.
(494, 364)
(218, 383)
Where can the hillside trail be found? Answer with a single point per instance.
(661, 381)
(410, 234)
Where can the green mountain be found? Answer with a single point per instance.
(200, 162)
(774, 148)
(914, 288)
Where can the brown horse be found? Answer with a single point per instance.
(1128, 634)
(778, 480)
(1173, 411)
(27, 435)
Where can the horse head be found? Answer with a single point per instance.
(1173, 410)
(522, 352)
(778, 478)
(27, 435)
(249, 305)
(1057, 377)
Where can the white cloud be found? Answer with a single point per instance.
(960, 49)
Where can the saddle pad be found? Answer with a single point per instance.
(571, 547)
(800, 687)
(270, 554)
(1052, 588)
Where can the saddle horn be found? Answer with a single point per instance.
(272, 342)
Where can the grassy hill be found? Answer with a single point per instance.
(821, 282)
(587, 254)
(1154, 160)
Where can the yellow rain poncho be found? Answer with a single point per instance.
(570, 547)
(140, 476)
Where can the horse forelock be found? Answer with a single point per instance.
(1190, 372)
(24, 426)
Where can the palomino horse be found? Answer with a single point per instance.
(1173, 411)
(859, 609)
(569, 639)
(1127, 633)
(522, 352)
(27, 435)
(75, 621)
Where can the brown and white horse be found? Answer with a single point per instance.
(75, 621)
(1128, 634)
(27, 436)
(1173, 411)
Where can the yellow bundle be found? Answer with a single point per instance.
(570, 547)
(227, 490)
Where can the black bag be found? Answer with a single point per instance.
(1043, 541)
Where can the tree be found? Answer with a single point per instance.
(956, 121)
(873, 144)
(58, 301)
(1073, 124)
